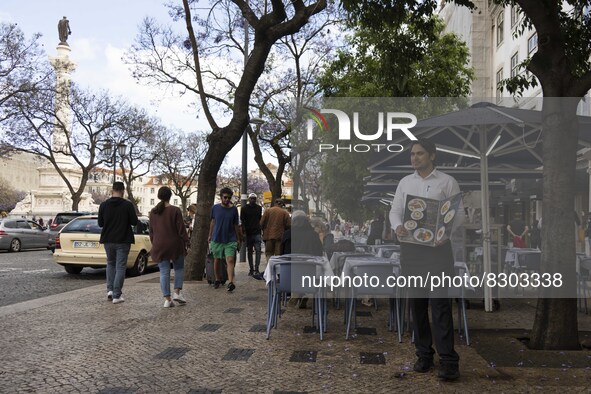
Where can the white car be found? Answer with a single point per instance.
(77, 246)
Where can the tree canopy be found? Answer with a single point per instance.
(400, 61)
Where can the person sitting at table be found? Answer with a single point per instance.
(305, 241)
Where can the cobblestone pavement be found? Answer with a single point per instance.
(32, 274)
(79, 342)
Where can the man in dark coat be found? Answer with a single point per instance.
(116, 216)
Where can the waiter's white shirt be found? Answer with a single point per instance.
(437, 186)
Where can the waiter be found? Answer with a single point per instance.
(418, 259)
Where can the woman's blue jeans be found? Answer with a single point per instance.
(179, 272)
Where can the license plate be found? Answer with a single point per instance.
(85, 244)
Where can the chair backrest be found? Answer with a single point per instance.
(375, 287)
(293, 276)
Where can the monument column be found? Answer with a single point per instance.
(63, 66)
(53, 194)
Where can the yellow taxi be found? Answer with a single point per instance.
(77, 246)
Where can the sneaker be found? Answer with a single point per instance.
(231, 287)
(118, 300)
(109, 295)
(423, 365)
(448, 372)
(216, 285)
(250, 272)
(258, 276)
(257, 273)
(179, 298)
(168, 304)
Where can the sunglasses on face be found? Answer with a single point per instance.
(226, 197)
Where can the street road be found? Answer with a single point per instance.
(32, 274)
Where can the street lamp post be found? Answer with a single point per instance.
(111, 148)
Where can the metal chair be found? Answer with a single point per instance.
(382, 271)
(290, 270)
(460, 294)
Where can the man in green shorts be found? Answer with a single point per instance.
(224, 236)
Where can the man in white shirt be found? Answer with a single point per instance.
(418, 259)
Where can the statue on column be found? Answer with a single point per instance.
(63, 28)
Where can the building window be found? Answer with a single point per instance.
(151, 190)
(151, 201)
(498, 86)
(500, 27)
(514, 15)
(532, 44)
(176, 201)
(515, 65)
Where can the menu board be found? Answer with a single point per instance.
(429, 221)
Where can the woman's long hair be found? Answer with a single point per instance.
(164, 194)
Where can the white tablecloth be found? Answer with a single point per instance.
(282, 259)
(513, 254)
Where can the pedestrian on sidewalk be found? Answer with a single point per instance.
(116, 216)
(274, 222)
(192, 211)
(224, 236)
(250, 217)
(170, 242)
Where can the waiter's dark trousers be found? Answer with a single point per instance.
(418, 260)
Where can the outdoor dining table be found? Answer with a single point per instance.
(520, 258)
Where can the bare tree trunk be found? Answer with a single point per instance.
(195, 267)
(274, 182)
(555, 325)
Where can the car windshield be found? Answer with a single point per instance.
(89, 225)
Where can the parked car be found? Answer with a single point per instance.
(59, 221)
(18, 234)
(77, 246)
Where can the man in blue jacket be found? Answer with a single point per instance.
(116, 216)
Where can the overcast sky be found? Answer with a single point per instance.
(101, 32)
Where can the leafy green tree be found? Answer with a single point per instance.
(562, 67)
(400, 62)
(392, 61)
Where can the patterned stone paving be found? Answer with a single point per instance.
(78, 342)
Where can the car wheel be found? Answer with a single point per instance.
(15, 245)
(140, 266)
(73, 269)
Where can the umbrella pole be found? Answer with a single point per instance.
(484, 200)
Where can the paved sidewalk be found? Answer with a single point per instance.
(79, 342)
